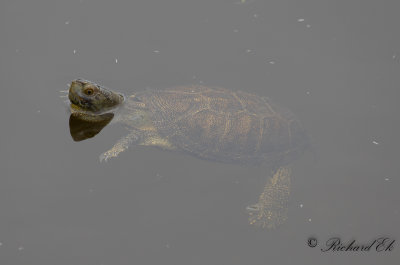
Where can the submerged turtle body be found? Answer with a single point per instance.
(211, 123)
(221, 125)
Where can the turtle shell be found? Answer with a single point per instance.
(223, 125)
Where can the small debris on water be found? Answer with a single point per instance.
(156, 51)
(309, 220)
(158, 177)
(308, 26)
(236, 30)
(248, 50)
(1, 244)
(394, 56)
(38, 111)
(272, 62)
(308, 92)
(301, 20)
(21, 248)
(116, 60)
(242, 2)
(375, 142)
(255, 15)
(301, 205)
(386, 179)
(74, 51)
(67, 22)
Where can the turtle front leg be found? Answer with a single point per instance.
(272, 207)
(120, 146)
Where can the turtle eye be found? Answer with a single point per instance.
(88, 91)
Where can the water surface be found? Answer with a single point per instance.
(335, 64)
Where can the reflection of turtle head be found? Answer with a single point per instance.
(88, 96)
(82, 129)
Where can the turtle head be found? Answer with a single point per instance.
(89, 96)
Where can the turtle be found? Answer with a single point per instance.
(211, 123)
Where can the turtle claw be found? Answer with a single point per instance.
(253, 208)
(107, 155)
(265, 218)
(103, 157)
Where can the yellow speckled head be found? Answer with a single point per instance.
(89, 96)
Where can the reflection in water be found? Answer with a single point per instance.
(82, 129)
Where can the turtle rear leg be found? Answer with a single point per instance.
(272, 207)
(120, 146)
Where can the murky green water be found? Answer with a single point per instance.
(335, 64)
